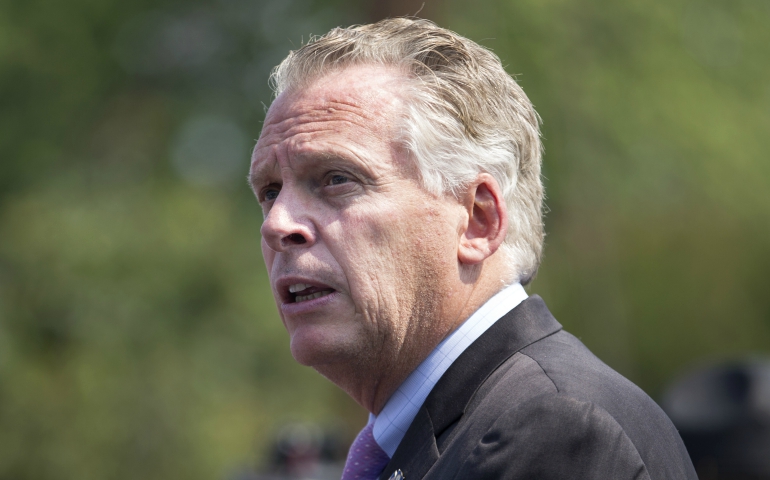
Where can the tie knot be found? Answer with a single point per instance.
(366, 459)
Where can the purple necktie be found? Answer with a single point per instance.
(366, 460)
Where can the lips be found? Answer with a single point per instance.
(295, 291)
(302, 292)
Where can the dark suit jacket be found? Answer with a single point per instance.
(528, 400)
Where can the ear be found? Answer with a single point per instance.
(487, 220)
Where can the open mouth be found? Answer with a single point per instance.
(301, 292)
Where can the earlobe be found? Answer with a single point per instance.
(487, 223)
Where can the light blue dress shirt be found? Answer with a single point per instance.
(391, 424)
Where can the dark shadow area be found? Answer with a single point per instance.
(722, 412)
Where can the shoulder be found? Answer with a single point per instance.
(577, 373)
(554, 436)
(529, 400)
(555, 400)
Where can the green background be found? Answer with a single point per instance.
(138, 336)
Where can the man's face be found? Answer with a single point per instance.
(360, 257)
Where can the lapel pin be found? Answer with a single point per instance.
(397, 475)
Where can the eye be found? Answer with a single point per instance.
(338, 179)
(270, 193)
(340, 184)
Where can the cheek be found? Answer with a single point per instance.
(387, 248)
(374, 237)
(364, 245)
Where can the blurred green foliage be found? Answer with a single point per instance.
(656, 119)
(138, 336)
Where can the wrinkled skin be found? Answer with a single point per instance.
(345, 214)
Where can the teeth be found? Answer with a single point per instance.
(302, 298)
(298, 287)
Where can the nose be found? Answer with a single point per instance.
(286, 225)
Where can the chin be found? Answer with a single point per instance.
(312, 348)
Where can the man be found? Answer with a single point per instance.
(398, 170)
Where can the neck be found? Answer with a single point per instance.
(372, 387)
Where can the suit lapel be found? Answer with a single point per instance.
(529, 322)
(421, 453)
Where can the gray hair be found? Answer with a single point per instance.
(465, 116)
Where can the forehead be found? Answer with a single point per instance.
(354, 107)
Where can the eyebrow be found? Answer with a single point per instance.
(255, 175)
(316, 157)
